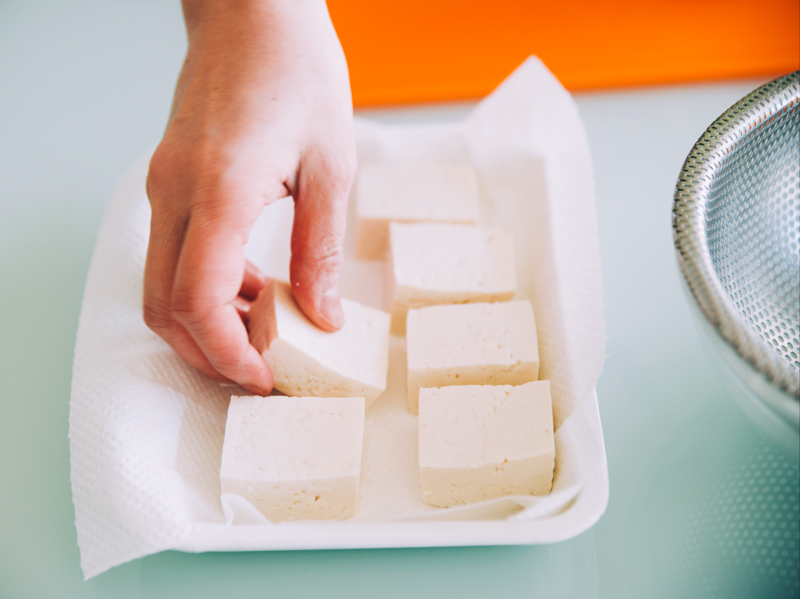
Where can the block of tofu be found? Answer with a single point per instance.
(410, 193)
(433, 263)
(307, 361)
(471, 344)
(481, 442)
(294, 458)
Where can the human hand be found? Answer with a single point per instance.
(262, 110)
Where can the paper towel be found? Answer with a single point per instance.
(146, 430)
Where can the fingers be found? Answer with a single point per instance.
(166, 237)
(252, 283)
(318, 234)
(210, 273)
(170, 306)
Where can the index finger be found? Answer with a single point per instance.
(208, 279)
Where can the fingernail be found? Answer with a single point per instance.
(256, 389)
(330, 308)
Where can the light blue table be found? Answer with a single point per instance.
(699, 500)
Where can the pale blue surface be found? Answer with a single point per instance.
(85, 89)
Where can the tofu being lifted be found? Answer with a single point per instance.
(471, 344)
(307, 361)
(294, 458)
(432, 263)
(411, 193)
(481, 442)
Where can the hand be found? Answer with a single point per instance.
(262, 110)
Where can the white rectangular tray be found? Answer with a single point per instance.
(146, 430)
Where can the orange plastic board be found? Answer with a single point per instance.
(420, 51)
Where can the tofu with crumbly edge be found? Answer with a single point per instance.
(432, 263)
(307, 361)
(294, 458)
(482, 442)
(410, 192)
(471, 344)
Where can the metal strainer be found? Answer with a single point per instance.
(736, 225)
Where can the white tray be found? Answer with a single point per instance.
(146, 430)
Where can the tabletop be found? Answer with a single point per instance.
(701, 504)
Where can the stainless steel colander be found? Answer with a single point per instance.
(736, 225)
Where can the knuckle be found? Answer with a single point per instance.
(232, 361)
(196, 166)
(337, 167)
(157, 316)
(188, 318)
(155, 178)
(187, 310)
(324, 254)
(164, 163)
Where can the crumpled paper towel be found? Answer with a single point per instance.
(146, 430)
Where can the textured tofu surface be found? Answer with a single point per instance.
(305, 360)
(410, 193)
(294, 458)
(471, 344)
(434, 263)
(481, 442)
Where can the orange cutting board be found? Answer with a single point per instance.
(402, 51)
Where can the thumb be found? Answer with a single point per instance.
(318, 236)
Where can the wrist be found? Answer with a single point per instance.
(233, 18)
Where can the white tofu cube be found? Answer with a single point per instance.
(471, 344)
(411, 193)
(432, 263)
(305, 360)
(294, 458)
(481, 442)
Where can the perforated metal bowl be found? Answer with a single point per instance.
(736, 225)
